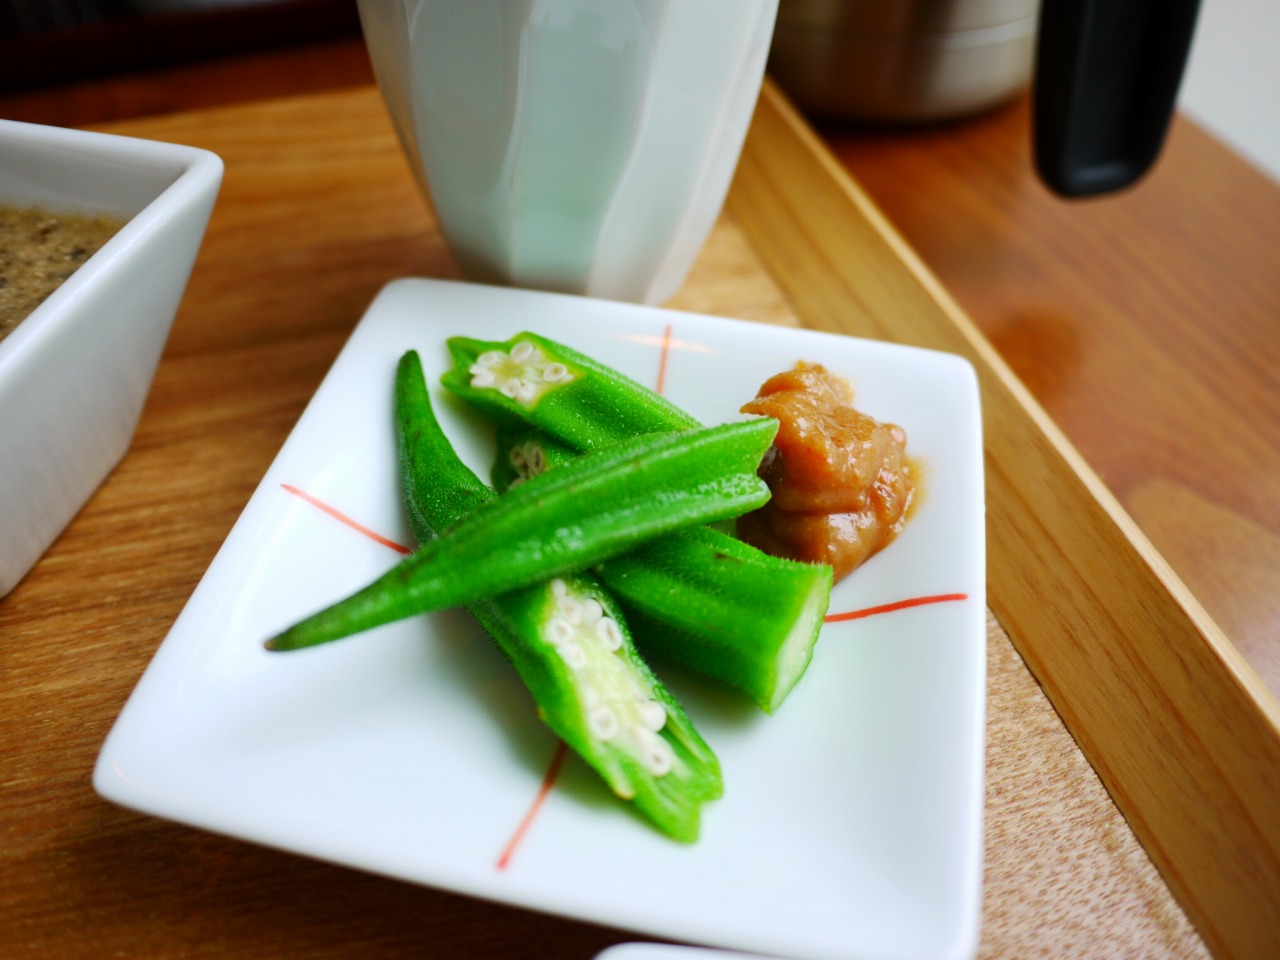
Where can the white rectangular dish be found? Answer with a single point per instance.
(851, 825)
(75, 373)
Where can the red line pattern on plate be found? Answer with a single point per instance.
(548, 781)
(891, 607)
(343, 518)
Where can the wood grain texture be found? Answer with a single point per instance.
(1050, 892)
(1182, 730)
(317, 212)
(1146, 323)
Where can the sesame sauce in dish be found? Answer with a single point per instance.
(842, 483)
(39, 250)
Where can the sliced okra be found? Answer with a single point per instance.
(524, 452)
(600, 505)
(717, 605)
(569, 643)
(539, 382)
(723, 609)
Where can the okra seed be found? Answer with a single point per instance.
(516, 456)
(653, 715)
(657, 753)
(555, 372)
(559, 588)
(570, 609)
(490, 358)
(603, 722)
(607, 630)
(522, 351)
(519, 389)
(561, 631)
(591, 610)
(659, 761)
(483, 378)
(537, 460)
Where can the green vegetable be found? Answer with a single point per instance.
(699, 597)
(600, 505)
(724, 609)
(530, 380)
(568, 642)
(524, 452)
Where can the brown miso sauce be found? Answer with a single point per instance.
(842, 484)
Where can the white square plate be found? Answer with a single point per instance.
(852, 819)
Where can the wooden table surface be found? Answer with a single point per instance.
(1148, 326)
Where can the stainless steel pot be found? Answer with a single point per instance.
(903, 60)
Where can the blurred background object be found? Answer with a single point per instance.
(46, 42)
(1229, 86)
(1105, 73)
(903, 60)
(179, 6)
(1233, 75)
(28, 17)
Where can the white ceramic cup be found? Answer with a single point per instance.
(584, 146)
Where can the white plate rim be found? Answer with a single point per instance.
(129, 771)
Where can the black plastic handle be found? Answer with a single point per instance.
(1107, 77)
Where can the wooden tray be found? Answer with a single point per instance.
(1184, 734)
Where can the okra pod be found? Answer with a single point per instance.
(723, 609)
(563, 521)
(539, 382)
(567, 641)
(700, 597)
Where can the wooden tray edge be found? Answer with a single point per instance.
(1180, 728)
